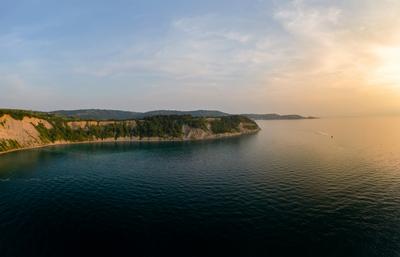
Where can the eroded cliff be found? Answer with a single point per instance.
(27, 130)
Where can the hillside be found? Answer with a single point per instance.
(124, 115)
(26, 129)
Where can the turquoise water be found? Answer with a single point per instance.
(328, 187)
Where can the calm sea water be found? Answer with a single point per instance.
(290, 190)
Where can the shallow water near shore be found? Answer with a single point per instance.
(328, 187)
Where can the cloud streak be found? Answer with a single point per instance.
(313, 57)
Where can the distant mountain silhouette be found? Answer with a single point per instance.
(197, 113)
(274, 116)
(99, 114)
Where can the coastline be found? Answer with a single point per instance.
(145, 139)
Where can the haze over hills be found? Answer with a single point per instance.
(274, 116)
(100, 114)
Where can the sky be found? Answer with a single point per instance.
(322, 58)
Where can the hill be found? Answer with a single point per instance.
(21, 129)
(99, 114)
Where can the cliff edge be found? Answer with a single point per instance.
(25, 129)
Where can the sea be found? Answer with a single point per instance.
(323, 187)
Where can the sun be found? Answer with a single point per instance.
(388, 69)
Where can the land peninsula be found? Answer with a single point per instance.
(21, 129)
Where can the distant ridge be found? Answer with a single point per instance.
(197, 113)
(274, 116)
(100, 114)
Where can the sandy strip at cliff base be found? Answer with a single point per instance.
(146, 139)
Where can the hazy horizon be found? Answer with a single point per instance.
(313, 58)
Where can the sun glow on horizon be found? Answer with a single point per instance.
(313, 57)
(388, 69)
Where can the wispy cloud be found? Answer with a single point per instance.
(273, 56)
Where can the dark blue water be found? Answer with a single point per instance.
(291, 190)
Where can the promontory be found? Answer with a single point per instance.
(20, 129)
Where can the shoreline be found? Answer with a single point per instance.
(125, 140)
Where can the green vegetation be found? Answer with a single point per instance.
(20, 114)
(162, 126)
(156, 126)
(231, 124)
(8, 144)
(167, 126)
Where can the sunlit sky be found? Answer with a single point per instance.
(322, 58)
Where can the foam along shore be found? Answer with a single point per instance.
(32, 130)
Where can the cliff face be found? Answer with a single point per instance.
(30, 131)
(20, 133)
